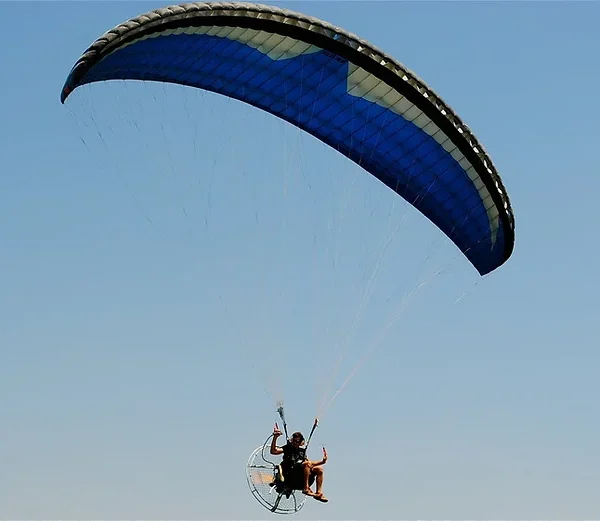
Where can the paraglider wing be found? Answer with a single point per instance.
(333, 85)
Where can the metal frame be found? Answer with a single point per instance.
(279, 492)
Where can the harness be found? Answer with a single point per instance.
(293, 456)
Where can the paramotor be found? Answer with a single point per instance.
(263, 476)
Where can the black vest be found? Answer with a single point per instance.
(293, 456)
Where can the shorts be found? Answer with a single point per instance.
(294, 477)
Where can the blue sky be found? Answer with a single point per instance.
(137, 339)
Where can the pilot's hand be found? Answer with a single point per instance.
(277, 432)
(324, 455)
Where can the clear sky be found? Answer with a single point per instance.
(167, 256)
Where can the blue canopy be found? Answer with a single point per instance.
(333, 85)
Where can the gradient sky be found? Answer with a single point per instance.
(166, 255)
